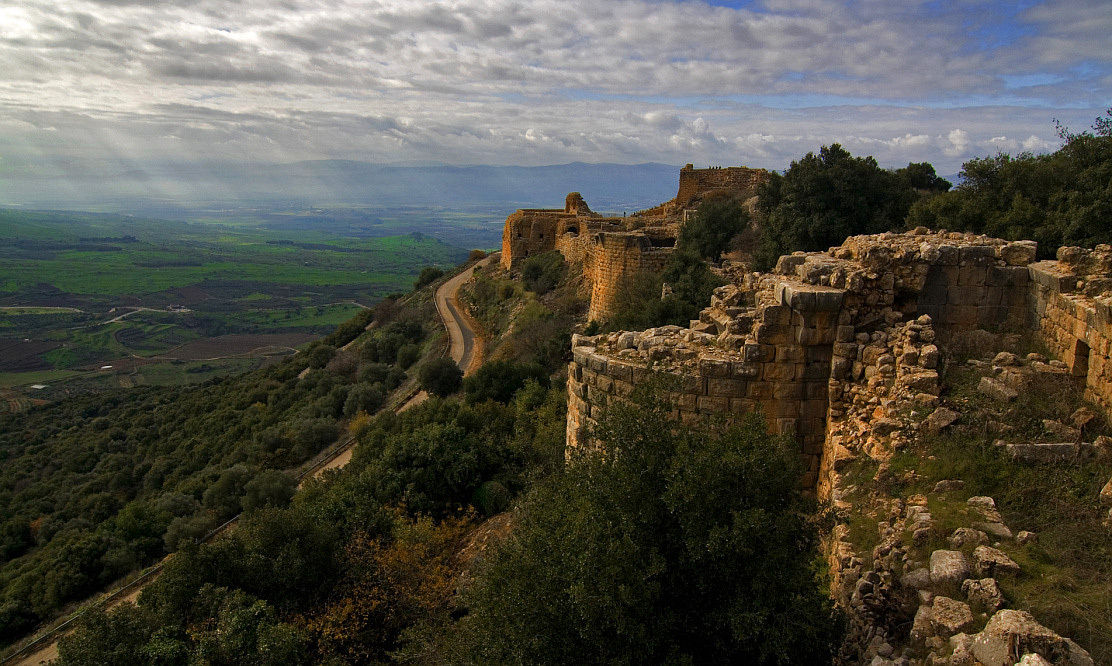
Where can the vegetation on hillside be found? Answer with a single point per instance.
(1063, 198)
(99, 486)
(822, 199)
(664, 546)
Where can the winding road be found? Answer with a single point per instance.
(464, 348)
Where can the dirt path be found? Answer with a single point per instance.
(465, 349)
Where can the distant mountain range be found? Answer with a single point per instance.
(137, 187)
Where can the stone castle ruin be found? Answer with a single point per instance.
(610, 249)
(830, 345)
(841, 350)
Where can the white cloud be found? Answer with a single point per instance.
(958, 143)
(509, 82)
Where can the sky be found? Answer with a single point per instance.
(545, 82)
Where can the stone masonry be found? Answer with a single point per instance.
(828, 344)
(610, 249)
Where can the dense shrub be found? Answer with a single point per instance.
(1064, 198)
(673, 546)
(823, 199)
(542, 272)
(716, 222)
(440, 376)
(500, 380)
(429, 274)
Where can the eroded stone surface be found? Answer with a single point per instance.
(1010, 634)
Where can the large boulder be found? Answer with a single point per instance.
(1011, 634)
(948, 569)
(950, 616)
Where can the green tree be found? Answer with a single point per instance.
(116, 637)
(716, 222)
(542, 272)
(1064, 198)
(823, 199)
(920, 176)
(499, 380)
(429, 274)
(670, 546)
(440, 376)
(271, 488)
(363, 397)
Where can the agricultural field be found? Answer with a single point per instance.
(94, 301)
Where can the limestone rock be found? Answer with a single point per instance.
(950, 616)
(986, 506)
(1019, 253)
(946, 485)
(1082, 417)
(1061, 430)
(961, 647)
(1010, 634)
(1032, 659)
(1106, 494)
(996, 529)
(997, 390)
(1005, 359)
(948, 569)
(989, 562)
(928, 357)
(1024, 537)
(917, 579)
(939, 420)
(1045, 452)
(984, 593)
(964, 536)
(921, 625)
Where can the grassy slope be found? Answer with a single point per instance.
(1064, 577)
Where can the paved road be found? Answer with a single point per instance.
(461, 328)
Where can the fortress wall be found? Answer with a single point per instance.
(612, 257)
(831, 345)
(1075, 326)
(790, 391)
(970, 291)
(529, 232)
(576, 247)
(694, 182)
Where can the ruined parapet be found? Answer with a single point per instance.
(806, 344)
(1070, 308)
(528, 232)
(575, 205)
(698, 183)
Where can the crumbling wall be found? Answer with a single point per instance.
(528, 232)
(828, 338)
(1070, 308)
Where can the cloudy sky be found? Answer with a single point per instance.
(546, 82)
